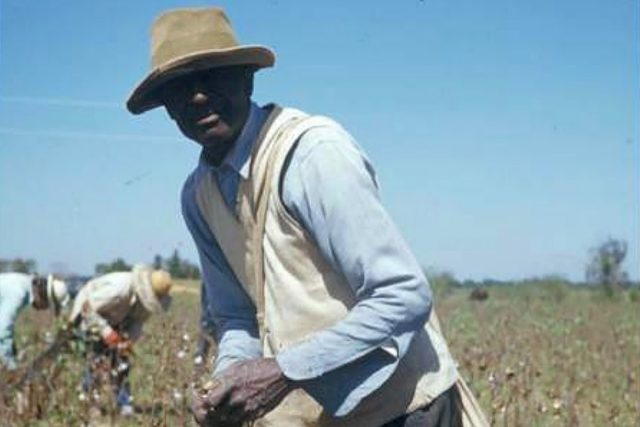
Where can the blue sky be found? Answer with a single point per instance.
(505, 134)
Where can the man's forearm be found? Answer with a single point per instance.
(236, 345)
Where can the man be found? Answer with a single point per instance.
(17, 290)
(319, 306)
(112, 310)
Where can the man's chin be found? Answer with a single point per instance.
(215, 149)
(207, 141)
(212, 138)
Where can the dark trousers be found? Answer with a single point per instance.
(444, 411)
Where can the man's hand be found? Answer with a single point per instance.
(115, 341)
(245, 391)
(110, 337)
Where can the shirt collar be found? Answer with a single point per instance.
(238, 158)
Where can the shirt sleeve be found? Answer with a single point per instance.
(206, 333)
(226, 307)
(330, 188)
(207, 325)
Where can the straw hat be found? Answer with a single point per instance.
(188, 40)
(160, 282)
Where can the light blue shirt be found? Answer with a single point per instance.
(330, 188)
(15, 294)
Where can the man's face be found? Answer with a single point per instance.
(40, 300)
(210, 106)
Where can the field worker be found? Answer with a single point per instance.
(111, 310)
(320, 308)
(17, 290)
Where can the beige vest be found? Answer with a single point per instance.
(297, 292)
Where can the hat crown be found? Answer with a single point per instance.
(160, 282)
(182, 32)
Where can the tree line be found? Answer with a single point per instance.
(604, 269)
(177, 266)
(18, 265)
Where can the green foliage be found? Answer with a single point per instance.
(554, 287)
(158, 262)
(116, 265)
(178, 267)
(442, 282)
(556, 291)
(18, 265)
(605, 266)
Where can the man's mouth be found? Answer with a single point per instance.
(208, 121)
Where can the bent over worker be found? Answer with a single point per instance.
(112, 310)
(322, 314)
(17, 290)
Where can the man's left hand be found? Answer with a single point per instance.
(245, 391)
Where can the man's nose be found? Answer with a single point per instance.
(198, 97)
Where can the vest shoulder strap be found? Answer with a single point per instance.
(283, 140)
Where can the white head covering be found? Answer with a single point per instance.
(57, 292)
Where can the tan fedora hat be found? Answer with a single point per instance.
(188, 40)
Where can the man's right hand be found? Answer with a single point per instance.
(204, 402)
(245, 391)
(111, 338)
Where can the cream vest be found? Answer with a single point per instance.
(297, 292)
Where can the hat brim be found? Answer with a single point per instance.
(145, 95)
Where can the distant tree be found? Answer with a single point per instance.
(158, 262)
(468, 283)
(554, 278)
(181, 268)
(489, 282)
(174, 264)
(191, 271)
(442, 282)
(18, 265)
(605, 265)
(118, 264)
(553, 286)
